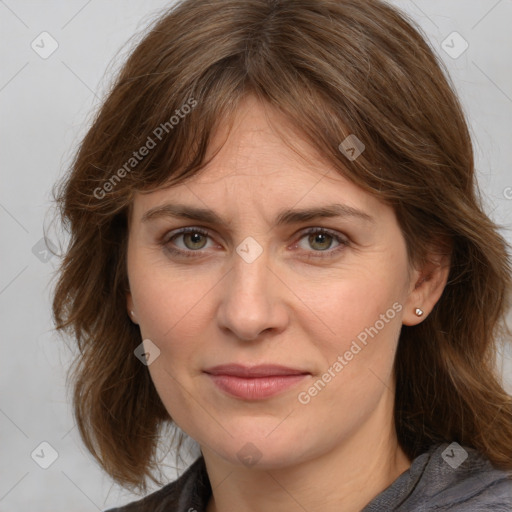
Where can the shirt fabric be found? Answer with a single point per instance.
(446, 478)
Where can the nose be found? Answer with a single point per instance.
(252, 300)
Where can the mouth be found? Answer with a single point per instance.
(262, 370)
(255, 382)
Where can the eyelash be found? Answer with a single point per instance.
(195, 254)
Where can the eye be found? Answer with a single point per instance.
(321, 240)
(193, 241)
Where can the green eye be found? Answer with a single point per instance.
(194, 240)
(320, 239)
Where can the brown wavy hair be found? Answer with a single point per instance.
(334, 68)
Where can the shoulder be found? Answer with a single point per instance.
(447, 478)
(459, 479)
(189, 492)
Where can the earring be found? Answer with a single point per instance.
(419, 312)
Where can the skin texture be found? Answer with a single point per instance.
(339, 450)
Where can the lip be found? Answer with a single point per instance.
(255, 382)
(255, 388)
(261, 370)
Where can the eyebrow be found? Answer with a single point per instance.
(284, 217)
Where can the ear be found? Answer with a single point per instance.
(130, 308)
(427, 284)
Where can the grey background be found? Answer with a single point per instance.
(46, 105)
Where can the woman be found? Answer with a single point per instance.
(277, 246)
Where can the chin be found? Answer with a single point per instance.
(261, 452)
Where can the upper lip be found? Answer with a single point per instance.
(263, 370)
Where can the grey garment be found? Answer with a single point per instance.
(443, 479)
(446, 478)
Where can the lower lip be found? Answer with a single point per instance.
(255, 388)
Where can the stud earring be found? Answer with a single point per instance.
(419, 312)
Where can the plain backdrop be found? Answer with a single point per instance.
(46, 104)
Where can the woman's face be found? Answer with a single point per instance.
(325, 295)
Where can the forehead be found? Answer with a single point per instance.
(259, 157)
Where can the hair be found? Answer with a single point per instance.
(333, 68)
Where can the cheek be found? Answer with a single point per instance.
(349, 306)
(173, 312)
(363, 316)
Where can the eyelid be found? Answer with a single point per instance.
(319, 229)
(169, 235)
